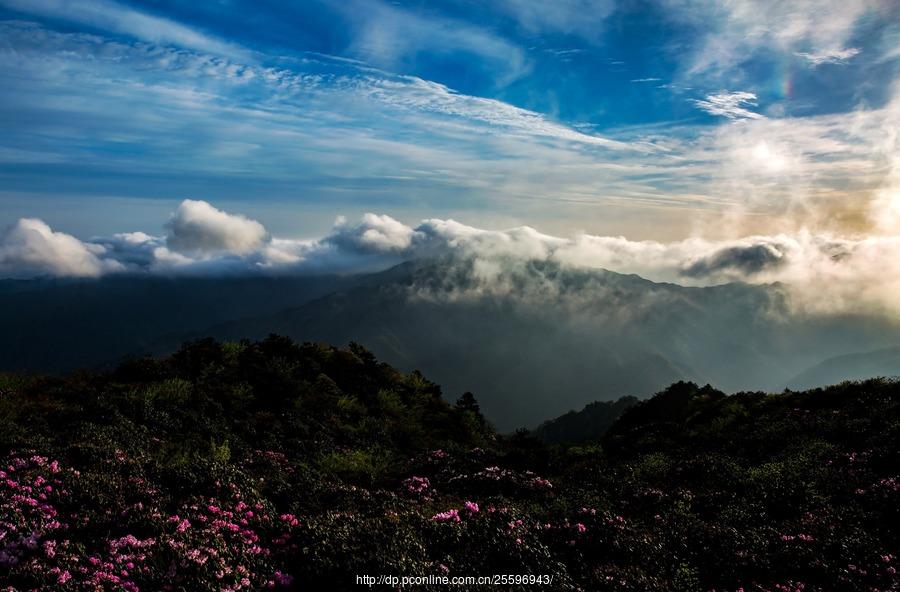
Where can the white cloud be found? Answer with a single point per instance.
(378, 234)
(585, 18)
(392, 37)
(431, 97)
(830, 56)
(213, 117)
(116, 18)
(730, 104)
(197, 228)
(164, 79)
(30, 248)
(823, 272)
(738, 30)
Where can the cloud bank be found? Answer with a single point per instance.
(29, 247)
(826, 273)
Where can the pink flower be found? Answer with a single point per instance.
(417, 485)
(449, 515)
(472, 507)
(290, 519)
(580, 527)
(64, 576)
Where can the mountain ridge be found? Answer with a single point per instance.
(577, 335)
(532, 339)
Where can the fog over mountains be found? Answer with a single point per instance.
(535, 325)
(822, 271)
(531, 338)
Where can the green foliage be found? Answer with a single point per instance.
(364, 467)
(351, 467)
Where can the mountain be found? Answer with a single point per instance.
(531, 339)
(883, 362)
(588, 424)
(538, 339)
(55, 325)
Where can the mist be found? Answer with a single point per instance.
(822, 273)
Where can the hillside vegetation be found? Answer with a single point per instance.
(270, 464)
(534, 339)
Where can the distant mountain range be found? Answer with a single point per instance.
(880, 363)
(531, 340)
(586, 425)
(63, 324)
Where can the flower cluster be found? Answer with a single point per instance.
(227, 541)
(417, 486)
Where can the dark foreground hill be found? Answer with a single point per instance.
(243, 466)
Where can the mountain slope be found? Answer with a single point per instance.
(585, 425)
(884, 362)
(57, 325)
(538, 340)
(531, 339)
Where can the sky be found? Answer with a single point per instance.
(664, 122)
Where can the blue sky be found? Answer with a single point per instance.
(654, 120)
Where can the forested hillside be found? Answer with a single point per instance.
(256, 465)
(534, 339)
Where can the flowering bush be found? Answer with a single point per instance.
(273, 465)
(210, 545)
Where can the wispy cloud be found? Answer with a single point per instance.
(395, 38)
(138, 118)
(117, 18)
(737, 31)
(732, 105)
(831, 56)
(585, 18)
(276, 99)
